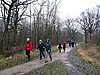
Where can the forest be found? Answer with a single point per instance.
(20, 19)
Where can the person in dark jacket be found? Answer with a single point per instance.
(48, 50)
(59, 46)
(28, 47)
(72, 43)
(64, 46)
(41, 48)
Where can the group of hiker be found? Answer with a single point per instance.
(41, 47)
(72, 43)
(63, 45)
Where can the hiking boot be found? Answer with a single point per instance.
(50, 59)
(40, 59)
(46, 61)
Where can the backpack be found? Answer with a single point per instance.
(59, 46)
(29, 44)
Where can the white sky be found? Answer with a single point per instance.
(73, 8)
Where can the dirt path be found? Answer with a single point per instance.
(23, 68)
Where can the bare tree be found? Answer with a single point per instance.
(83, 22)
(9, 7)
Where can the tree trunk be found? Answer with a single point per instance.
(6, 25)
(85, 36)
(90, 36)
(15, 33)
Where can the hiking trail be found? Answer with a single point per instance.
(26, 67)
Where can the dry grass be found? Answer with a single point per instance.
(90, 53)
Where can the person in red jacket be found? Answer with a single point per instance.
(64, 46)
(28, 47)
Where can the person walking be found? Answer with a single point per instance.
(70, 43)
(73, 43)
(28, 48)
(64, 46)
(48, 50)
(41, 48)
(59, 46)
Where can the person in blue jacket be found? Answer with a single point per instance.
(48, 50)
(69, 43)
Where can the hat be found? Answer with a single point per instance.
(48, 39)
(28, 39)
(40, 40)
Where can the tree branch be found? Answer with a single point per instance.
(26, 2)
(5, 2)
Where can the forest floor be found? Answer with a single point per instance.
(62, 64)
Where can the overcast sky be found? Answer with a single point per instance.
(73, 8)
